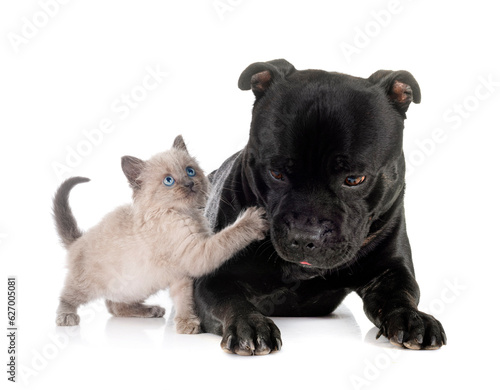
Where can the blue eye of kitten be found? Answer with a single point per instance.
(190, 172)
(169, 181)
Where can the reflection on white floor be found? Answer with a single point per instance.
(337, 351)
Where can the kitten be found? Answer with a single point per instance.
(160, 240)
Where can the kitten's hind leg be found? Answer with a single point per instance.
(186, 321)
(66, 314)
(68, 305)
(136, 309)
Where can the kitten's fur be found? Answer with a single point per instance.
(160, 240)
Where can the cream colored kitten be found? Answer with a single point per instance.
(160, 240)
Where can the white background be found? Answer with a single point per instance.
(64, 69)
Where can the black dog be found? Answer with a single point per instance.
(325, 159)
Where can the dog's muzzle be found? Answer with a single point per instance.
(310, 242)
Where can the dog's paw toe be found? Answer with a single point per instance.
(413, 329)
(255, 335)
(67, 319)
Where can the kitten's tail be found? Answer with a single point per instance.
(65, 221)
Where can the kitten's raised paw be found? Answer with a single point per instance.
(67, 319)
(254, 218)
(187, 325)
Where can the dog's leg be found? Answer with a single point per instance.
(226, 311)
(390, 302)
(391, 297)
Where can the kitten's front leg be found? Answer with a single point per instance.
(186, 321)
(208, 255)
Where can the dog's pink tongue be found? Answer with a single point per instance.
(305, 263)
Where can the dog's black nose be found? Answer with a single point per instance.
(305, 240)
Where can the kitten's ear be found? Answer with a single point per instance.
(132, 168)
(179, 143)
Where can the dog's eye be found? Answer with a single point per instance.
(277, 175)
(354, 180)
(169, 181)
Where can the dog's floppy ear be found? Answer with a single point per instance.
(260, 75)
(400, 86)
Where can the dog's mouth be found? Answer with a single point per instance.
(316, 242)
(325, 257)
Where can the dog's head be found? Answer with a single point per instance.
(325, 156)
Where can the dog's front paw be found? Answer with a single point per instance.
(251, 335)
(254, 220)
(413, 329)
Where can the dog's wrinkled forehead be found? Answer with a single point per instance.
(334, 118)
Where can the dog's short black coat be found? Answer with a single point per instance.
(325, 159)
